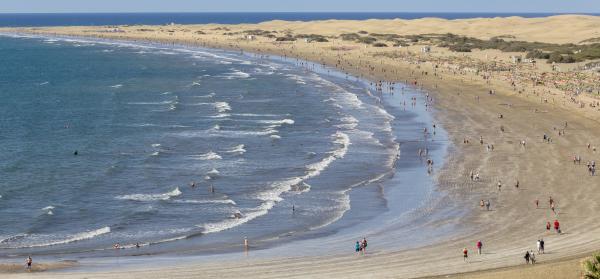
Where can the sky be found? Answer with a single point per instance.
(498, 6)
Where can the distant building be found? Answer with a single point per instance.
(250, 37)
(426, 49)
(517, 59)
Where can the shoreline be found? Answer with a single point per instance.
(456, 101)
(264, 251)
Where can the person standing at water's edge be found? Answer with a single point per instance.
(465, 254)
(479, 246)
(29, 261)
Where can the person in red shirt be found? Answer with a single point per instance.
(556, 226)
(479, 245)
(465, 254)
(548, 226)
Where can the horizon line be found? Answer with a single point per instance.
(291, 12)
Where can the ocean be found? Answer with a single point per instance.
(73, 19)
(188, 149)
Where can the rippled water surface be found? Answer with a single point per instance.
(105, 143)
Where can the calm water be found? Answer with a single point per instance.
(224, 18)
(147, 121)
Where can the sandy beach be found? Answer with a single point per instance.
(502, 108)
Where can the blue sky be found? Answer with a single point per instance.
(50, 6)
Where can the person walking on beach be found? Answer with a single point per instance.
(527, 255)
(532, 257)
(542, 246)
(557, 226)
(357, 247)
(499, 185)
(539, 246)
(481, 204)
(364, 245)
(487, 205)
(548, 226)
(465, 254)
(28, 261)
(479, 246)
(537, 203)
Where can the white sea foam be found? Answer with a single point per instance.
(316, 168)
(213, 172)
(224, 201)
(207, 156)
(296, 78)
(219, 106)
(44, 83)
(238, 149)
(155, 153)
(116, 86)
(72, 238)
(275, 137)
(234, 222)
(343, 205)
(48, 208)
(278, 122)
(257, 115)
(151, 197)
(220, 115)
(222, 106)
(206, 96)
(151, 103)
(349, 122)
(272, 197)
(156, 145)
(236, 74)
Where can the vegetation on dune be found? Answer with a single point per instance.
(592, 267)
(286, 38)
(367, 40)
(312, 37)
(258, 32)
(350, 36)
(560, 53)
(591, 40)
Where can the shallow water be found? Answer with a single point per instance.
(147, 121)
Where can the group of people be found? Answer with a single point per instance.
(591, 165)
(485, 203)
(529, 257)
(361, 246)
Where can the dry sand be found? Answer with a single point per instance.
(465, 110)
